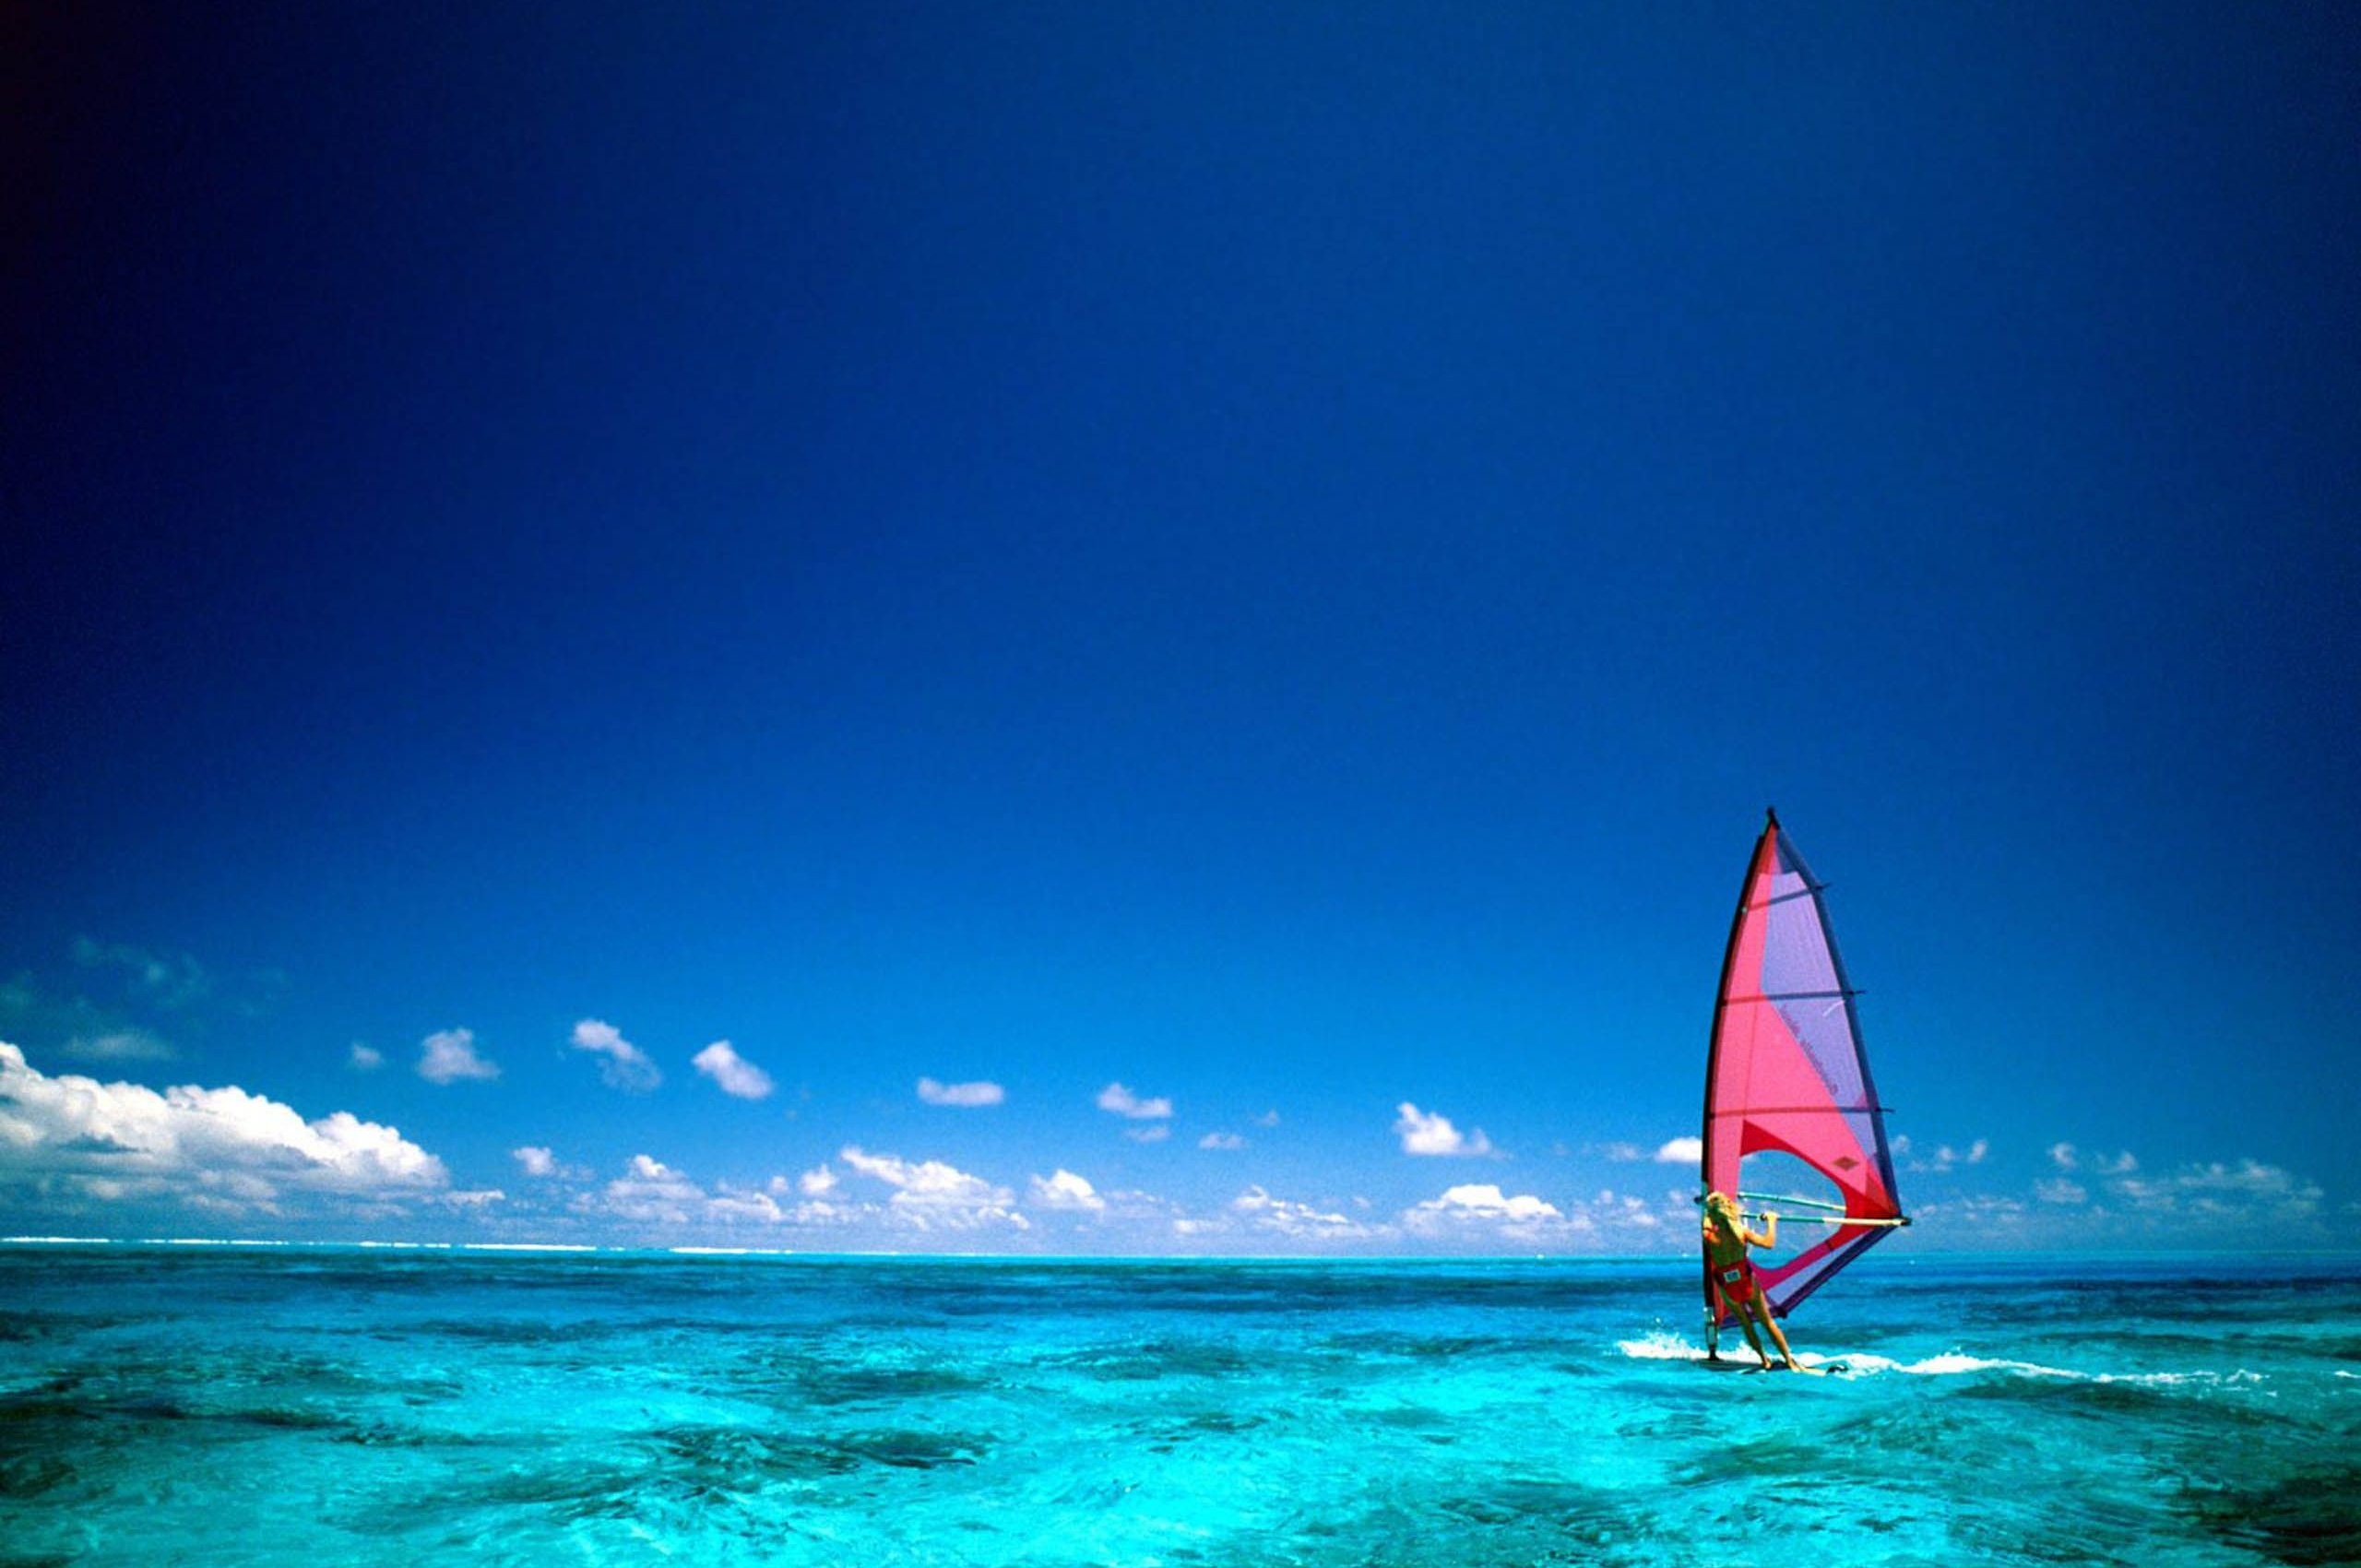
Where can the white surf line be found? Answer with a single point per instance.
(58, 1242)
(1666, 1346)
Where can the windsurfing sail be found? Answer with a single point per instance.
(1786, 1074)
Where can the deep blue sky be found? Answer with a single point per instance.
(1271, 558)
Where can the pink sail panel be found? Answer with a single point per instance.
(1786, 1072)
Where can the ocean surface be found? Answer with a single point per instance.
(333, 1405)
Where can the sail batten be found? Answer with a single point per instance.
(1787, 1072)
(1799, 1110)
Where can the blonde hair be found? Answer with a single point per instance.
(1723, 1208)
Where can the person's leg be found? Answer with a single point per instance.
(1740, 1311)
(1771, 1324)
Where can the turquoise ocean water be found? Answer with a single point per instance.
(319, 1406)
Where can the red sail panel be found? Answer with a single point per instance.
(1786, 1072)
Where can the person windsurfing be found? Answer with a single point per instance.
(1726, 1239)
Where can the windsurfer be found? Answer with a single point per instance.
(1726, 1239)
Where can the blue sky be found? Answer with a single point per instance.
(1271, 561)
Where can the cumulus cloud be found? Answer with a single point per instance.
(1268, 1118)
(1682, 1151)
(449, 1056)
(2066, 1157)
(1283, 1216)
(2220, 1190)
(738, 1077)
(650, 1191)
(622, 1065)
(817, 1182)
(1124, 1102)
(1481, 1205)
(966, 1095)
(1147, 1134)
(742, 1204)
(1946, 1157)
(1066, 1191)
(2110, 1199)
(652, 1194)
(364, 1058)
(931, 1195)
(219, 1149)
(1635, 1216)
(1221, 1141)
(535, 1161)
(1425, 1134)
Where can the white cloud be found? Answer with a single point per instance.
(930, 1193)
(1682, 1151)
(449, 1056)
(1481, 1205)
(967, 1095)
(1637, 1215)
(1066, 1191)
(1221, 1141)
(543, 1165)
(1433, 1135)
(1147, 1134)
(737, 1205)
(73, 1138)
(622, 1064)
(365, 1058)
(1283, 1216)
(1124, 1102)
(2219, 1189)
(651, 1192)
(817, 1182)
(931, 1179)
(737, 1077)
(1488, 1200)
(1268, 1118)
(2066, 1157)
(1622, 1153)
(2110, 1200)
(1946, 1158)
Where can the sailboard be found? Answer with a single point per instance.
(1786, 1076)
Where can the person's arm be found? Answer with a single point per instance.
(1769, 1236)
